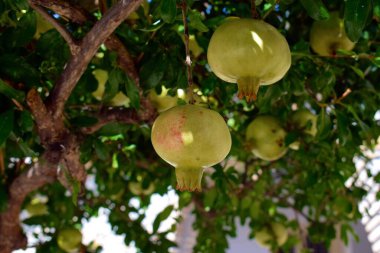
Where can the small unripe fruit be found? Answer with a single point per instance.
(190, 138)
(327, 36)
(37, 209)
(69, 240)
(301, 118)
(274, 232)
(250, 53)
(266, 137)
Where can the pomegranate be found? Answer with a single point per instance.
(190, 138)
(250, 53)
(266, 137)
(327, 36)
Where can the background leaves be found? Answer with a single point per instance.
(244, 188)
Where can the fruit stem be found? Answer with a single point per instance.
(187, 48)
(248, 88)
(189, 179)
(255, 14)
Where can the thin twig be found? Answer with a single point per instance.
(73, 45)
(125, 115)
(188, 59)
(255, 14)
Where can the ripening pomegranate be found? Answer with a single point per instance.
(327, 36)
(190, 138)
(248, 52)
(274, 232)
(266, 138)
(305, 120)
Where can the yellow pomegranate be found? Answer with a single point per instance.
(37, 209)
(190, 138)
(266, 137)
(250, 53)
(69, 240)
(275, 232)
(327, 36)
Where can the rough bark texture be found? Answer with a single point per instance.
(61, 145)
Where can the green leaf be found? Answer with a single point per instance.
(6, 125)
(3, 198)
(19, 4)
(24, 32)
(17, 68)
(25, 149)
(101, 150)
(11, 92)
(154, 27)
(376, 8)
(316, 9)
(161, 217)
(25, 121)
(196, 21)
(358, 71)
(115, 77)
(153, 71)
(168, 10)
(323, 125)
(133, 93)
(356, 13)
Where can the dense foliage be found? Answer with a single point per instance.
(341, 89)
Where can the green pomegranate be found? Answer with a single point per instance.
(69, 239)
(191, 138)
(327, 36)
(274, 232)
(301, 118)
(250, 53)
(267, 138)
(37, 209)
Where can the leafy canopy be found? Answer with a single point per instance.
(341, 90)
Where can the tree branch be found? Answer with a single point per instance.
(88, 47)
(60, 28)
(47, 129)
(78, 15)
(187, 48)
(41, 173)
(122, 115)
(65, 9)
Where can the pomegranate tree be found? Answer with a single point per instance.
(190, 138)
(250, 53)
